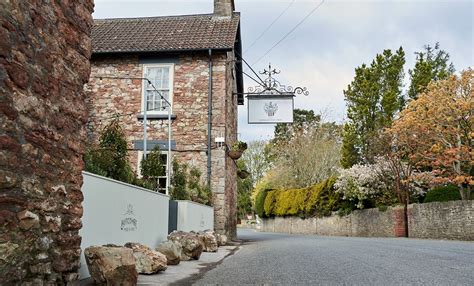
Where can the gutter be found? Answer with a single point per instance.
(209, 122)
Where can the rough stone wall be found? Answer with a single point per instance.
(189, 129)
(44, 62)
(447, 220)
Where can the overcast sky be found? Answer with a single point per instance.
(322, 53)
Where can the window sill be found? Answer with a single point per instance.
(156, 116)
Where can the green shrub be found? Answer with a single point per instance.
(318, 200)
(270, 202)
(443, 194)
(259, 202)
(200, 193)
(327, 199)
(179, 181)
(186, 185)
(152, 167)
(292, 202)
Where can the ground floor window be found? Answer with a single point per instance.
(163, 180)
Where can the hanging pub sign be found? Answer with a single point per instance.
(271, 102)
(270, 109)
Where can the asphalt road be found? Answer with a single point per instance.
(283, 259)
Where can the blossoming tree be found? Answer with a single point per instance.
(436, 131)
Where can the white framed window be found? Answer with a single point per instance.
(162, 180)
(161, 76)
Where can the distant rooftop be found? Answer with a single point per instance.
(168, 33)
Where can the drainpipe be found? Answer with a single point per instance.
(209, 122)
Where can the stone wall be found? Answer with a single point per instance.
(447, 220)
(44, 62)
(190, 106)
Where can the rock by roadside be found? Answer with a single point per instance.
(147, 260)
(172, 250)
(190, 242)
(111, 265)
(209, 240)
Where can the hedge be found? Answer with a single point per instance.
(259, 202)
(318, 200)
(443, 194)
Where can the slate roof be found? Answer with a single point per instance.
(169, 33)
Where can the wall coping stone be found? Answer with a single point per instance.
(188, 201)
(125, 184)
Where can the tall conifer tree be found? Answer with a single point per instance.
(373, 98)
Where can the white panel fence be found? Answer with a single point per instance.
(115, 212)
(194, 216)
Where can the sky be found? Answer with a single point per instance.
(323, 52)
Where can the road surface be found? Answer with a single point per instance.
(284, 259)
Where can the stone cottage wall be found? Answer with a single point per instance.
(190, 106)
(44, 62)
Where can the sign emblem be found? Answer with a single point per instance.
(271, 109)
(129, 222)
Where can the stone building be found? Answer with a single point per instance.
(178, 54)
(45, 48)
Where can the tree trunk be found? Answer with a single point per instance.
(405, 216)
(465, 192)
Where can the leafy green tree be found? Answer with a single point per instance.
(431, 64)
(186, 184)
(110, 157)
(350, 155)
(302, 120)
(152, 167)
(308, 158)
(256, 160)
(373, 98)
(179, 182)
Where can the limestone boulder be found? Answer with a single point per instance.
(147, 260)
(190, 242)
(111, 265)
(221, 239)
(209, 240)
(172, 250)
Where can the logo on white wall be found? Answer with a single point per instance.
(271, 109)
(129, 222)
(202, 221)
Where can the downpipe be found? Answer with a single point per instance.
(209, 122)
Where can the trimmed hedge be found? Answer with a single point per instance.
(260, 201)
(443, 194)
(318, 200)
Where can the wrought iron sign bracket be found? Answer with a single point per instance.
(272, 88)
(271, 102)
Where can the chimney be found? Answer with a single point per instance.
(223, 8)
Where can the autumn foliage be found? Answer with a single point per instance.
(435, 132)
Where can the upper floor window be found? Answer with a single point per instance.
(161, 76)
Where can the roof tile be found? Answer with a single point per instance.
(170, 33)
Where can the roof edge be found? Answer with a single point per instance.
(159, 51)
(164, 16)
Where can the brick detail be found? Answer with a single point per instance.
(44, 62)
(399, 225)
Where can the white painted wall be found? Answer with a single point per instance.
(115, 212)
(194, 216)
